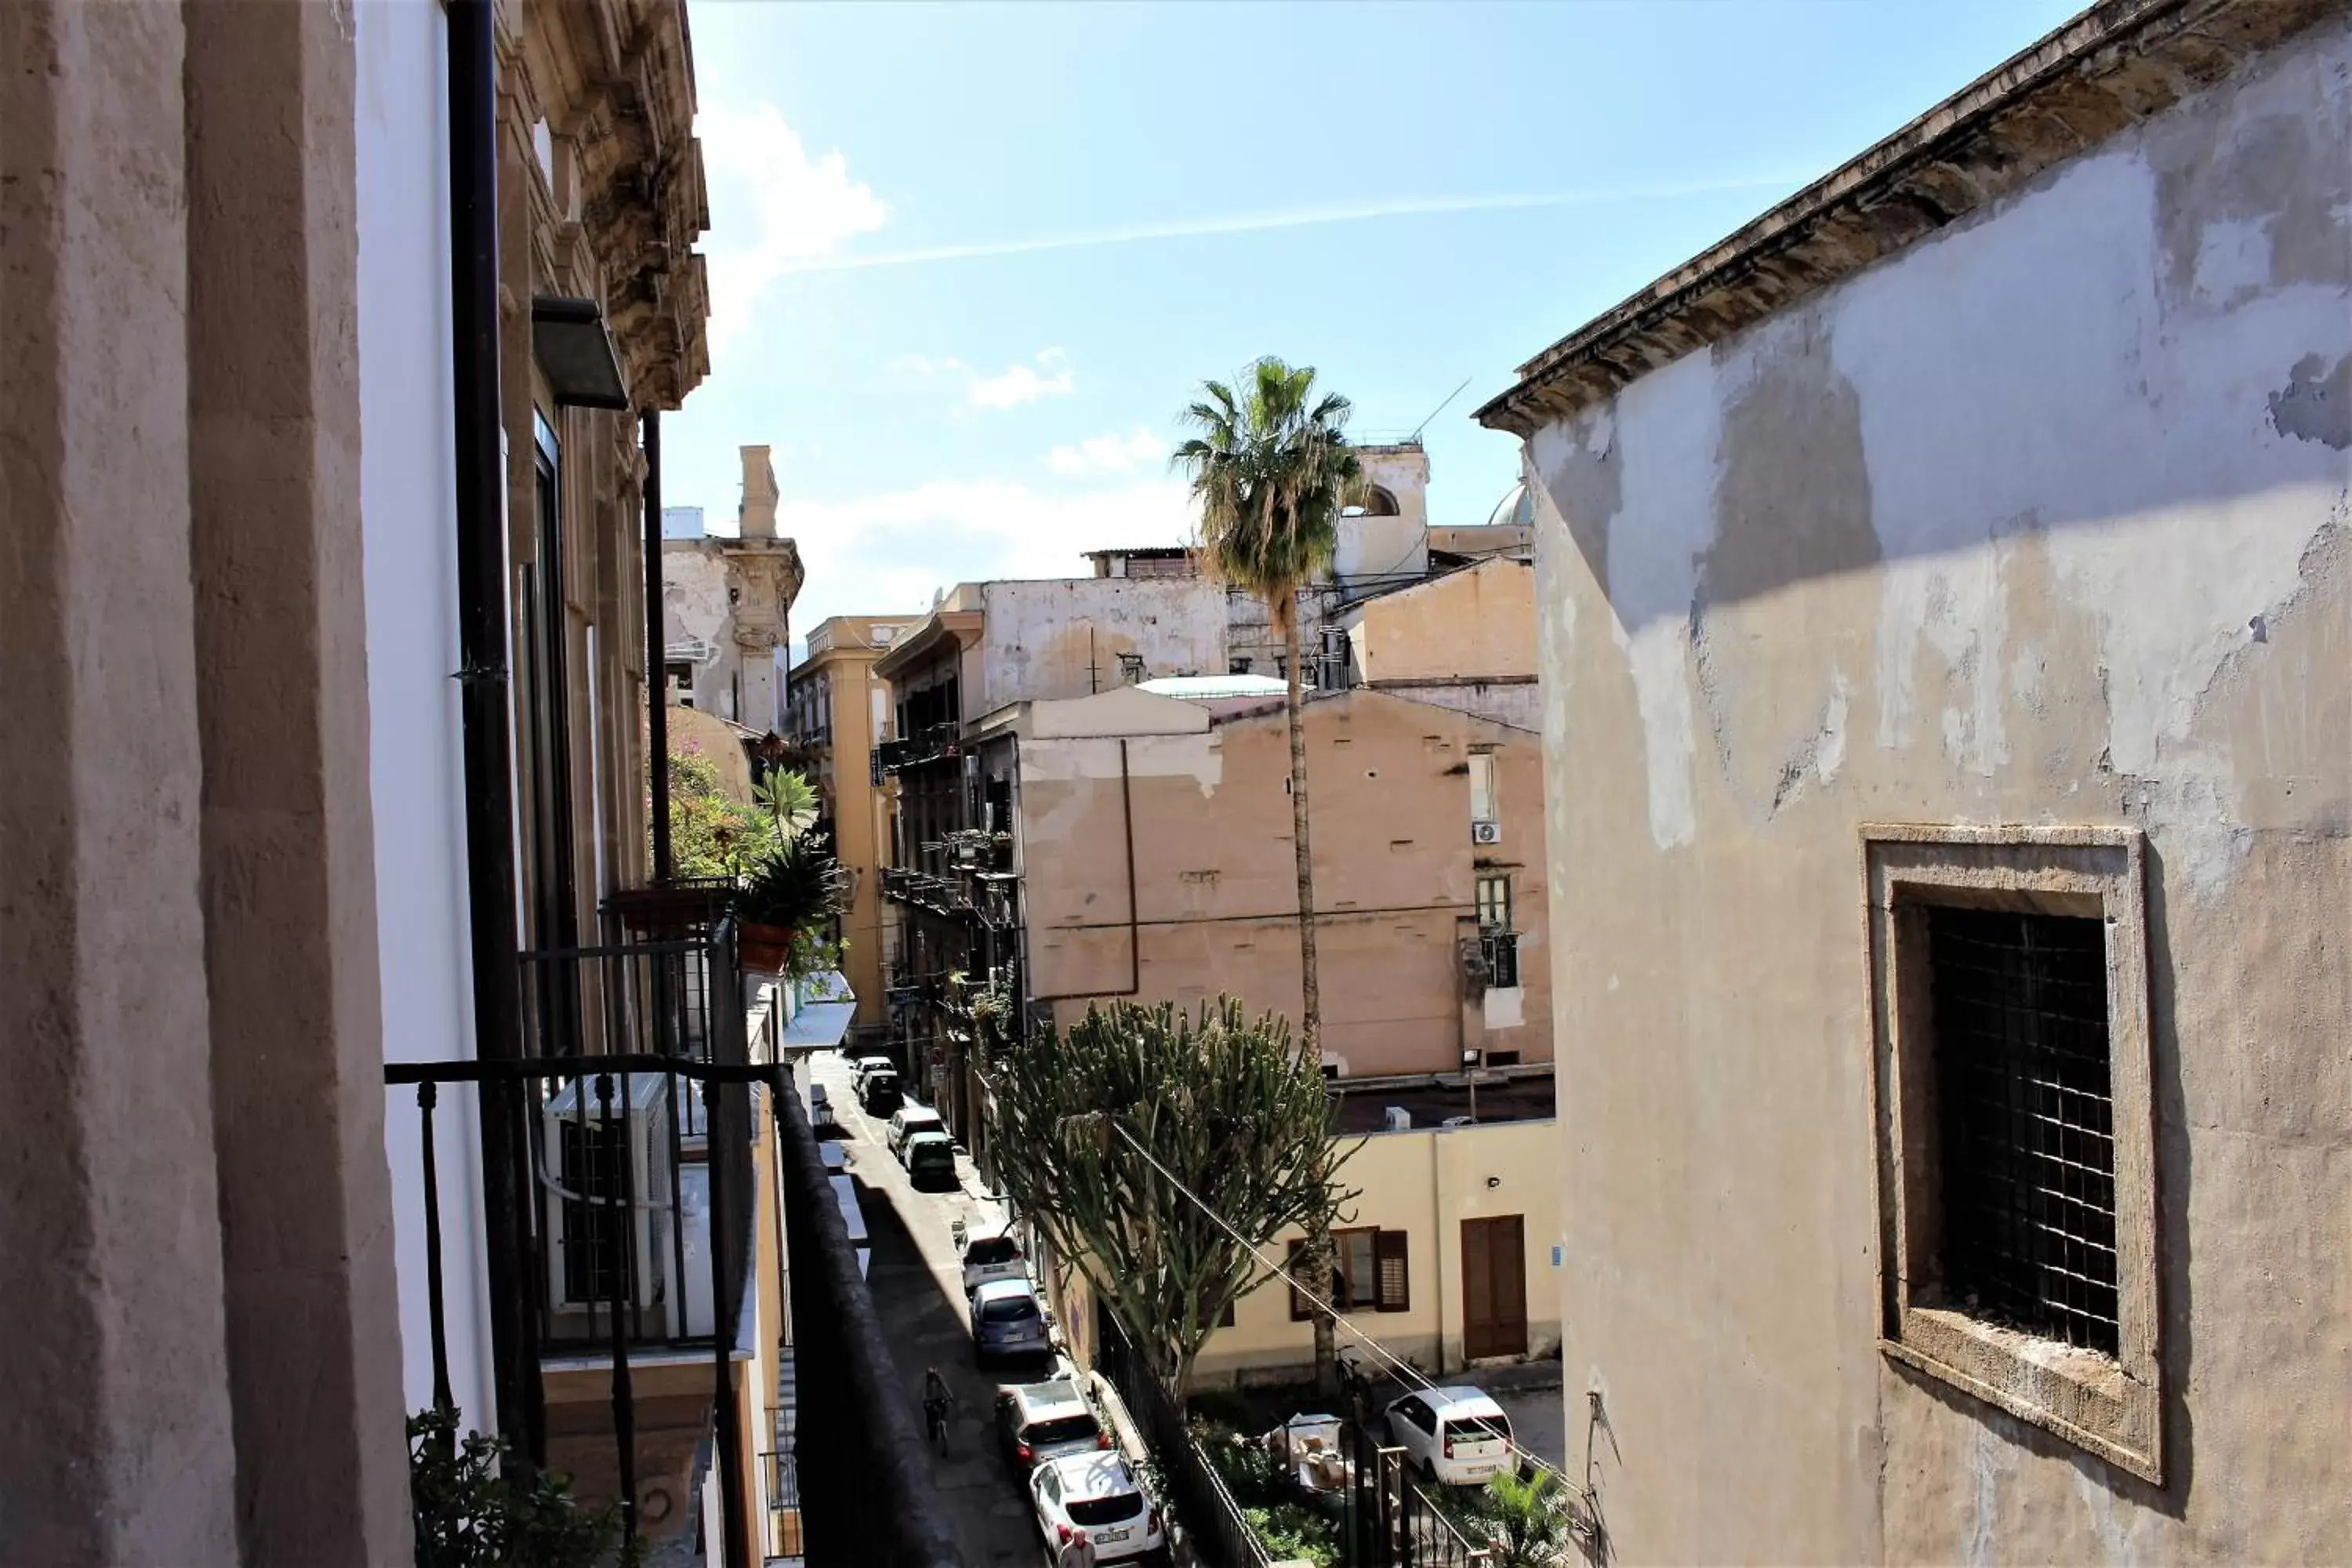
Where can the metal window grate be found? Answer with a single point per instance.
(592, 1222)
(2019, 1005)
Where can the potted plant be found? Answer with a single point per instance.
(793, 888)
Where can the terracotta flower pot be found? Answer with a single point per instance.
(763, 947)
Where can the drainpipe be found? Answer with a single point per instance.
(1437, 1211)
(656, 666)
(472, 83)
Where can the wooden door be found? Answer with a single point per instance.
(1493, 1287)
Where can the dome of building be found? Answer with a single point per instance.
(1515, 510)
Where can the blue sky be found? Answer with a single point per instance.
(970, 261)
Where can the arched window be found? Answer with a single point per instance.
(1377, 502)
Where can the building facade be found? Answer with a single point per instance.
(332, 873)
(1945, 614)
(838, 713)
(727, 604)
(1152, 836)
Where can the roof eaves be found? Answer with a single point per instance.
(2118, 63)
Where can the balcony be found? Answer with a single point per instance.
(632, 1155)
(927, 744)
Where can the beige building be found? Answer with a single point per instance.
(837, 712)
(1943, 586)
(727, 604)
(1446, 1257)
(1152, 836)
(1464, 639)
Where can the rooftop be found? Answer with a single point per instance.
(1213, 688)
(1363, 1106)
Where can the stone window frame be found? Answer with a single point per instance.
(2111, 1406)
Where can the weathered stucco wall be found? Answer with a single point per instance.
(1217, 890)
(1480, 621)
(1424, 1183)
(695, 605)
(1063, 637)
(2042, 520)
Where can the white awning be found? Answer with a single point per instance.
(820, 1024)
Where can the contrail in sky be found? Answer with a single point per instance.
(1302, 218)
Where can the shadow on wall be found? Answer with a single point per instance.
(2154, 329)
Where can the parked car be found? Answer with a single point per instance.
(1008, 1323)
(992, 1254)
(931, 1160)
(1457, 1436)
(1097, 1494)
(910, 1119)
(879, 1092)
(864, 1066)
(1042, 1421)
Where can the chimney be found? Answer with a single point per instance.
(757, 517)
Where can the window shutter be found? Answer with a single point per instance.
(1389, 1251)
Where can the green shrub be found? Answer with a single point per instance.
(469, 1512)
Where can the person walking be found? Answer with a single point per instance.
(938, 1399)
(1078, 1551)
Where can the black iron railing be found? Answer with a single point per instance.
(859, 1477)
(1202, 1505)
(633, 1243)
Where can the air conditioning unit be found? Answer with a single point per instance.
(1485, 832)
(1397, 1119)
(595, 1224)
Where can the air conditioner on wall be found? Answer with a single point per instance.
(587, 1207)
(1485, 832)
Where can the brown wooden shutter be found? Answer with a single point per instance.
(1300, 1308)
(1389, 1263)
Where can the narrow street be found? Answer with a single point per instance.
(916, 1280)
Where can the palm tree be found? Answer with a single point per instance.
(1527, 1522)
(1272, 470)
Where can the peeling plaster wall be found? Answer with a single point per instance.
(2045, 519)
(695, 605)
(1216, 889)
(1062, 637)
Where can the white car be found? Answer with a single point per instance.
(1457, 1436)
(992, 1254)
(865, 1067)
(1095, 1494)
(908, 1120)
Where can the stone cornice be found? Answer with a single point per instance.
(615, 79)
(2118, 63)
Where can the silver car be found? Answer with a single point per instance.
(1008, 1323)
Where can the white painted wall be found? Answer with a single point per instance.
(406, 498)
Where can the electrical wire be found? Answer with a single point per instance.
(1404, 1371)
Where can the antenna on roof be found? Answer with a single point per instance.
(1436, 411)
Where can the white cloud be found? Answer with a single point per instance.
(1049, 376)
(773, 209)
(1025, 383)
(1140, 447)
(886, 553)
